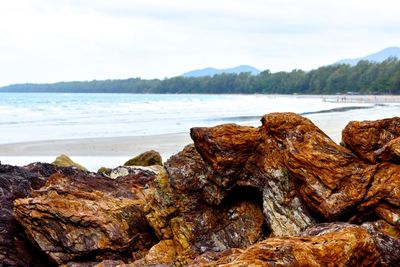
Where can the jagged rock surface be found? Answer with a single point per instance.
(366, 138)
(18, 182)
(389, 152)
(88, 217)
(183, 211)
(322, 245)
(247, 156)
(15, 182)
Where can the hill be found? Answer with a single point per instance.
(214, 71)
(375, 57)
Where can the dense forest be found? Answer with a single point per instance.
(364, 78)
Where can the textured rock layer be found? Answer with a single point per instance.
(85, 216)
(325, 245)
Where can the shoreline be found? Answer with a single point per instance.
(99, 146)
(93, 153)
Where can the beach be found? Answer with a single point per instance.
(96, 135)
(94, 153)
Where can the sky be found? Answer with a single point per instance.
(71, 40)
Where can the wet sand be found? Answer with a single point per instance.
(165, 144)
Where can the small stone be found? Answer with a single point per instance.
(147, 158)
(64, 161)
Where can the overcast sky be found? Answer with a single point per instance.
(61, 40)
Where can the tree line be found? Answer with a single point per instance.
(364, 78)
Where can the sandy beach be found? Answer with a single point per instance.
(165, 144)
(94, 153)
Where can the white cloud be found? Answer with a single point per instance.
(47, 41)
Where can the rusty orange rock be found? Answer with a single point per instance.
(332, 245)
(389, 152)
(365, 138)
(86, 216)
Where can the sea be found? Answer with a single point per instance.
(27, 117)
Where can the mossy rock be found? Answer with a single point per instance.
(147, 158)
(104, 170)
(65, 161)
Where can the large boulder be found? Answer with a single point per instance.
(240, 156)
(88, 218)
(15, 249)
(18, 182)
(194, 214)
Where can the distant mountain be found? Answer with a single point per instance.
(376, 57)
(213, 71)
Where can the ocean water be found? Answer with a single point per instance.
(28, 117)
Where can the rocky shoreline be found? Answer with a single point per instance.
(282, 194)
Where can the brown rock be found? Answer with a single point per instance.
(226, 148)
(180, 210)
(164, 253)
(18, 182)
(389, 152)
(384, 193)
(366, 137)
(257, 161)
(147, 158)
(295, 166)
(331, 179)
(338, 245)
(15, 249)
(87, 217)
(387, 241)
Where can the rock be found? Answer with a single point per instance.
(389, 152)
(331, 180)
(383, 196)
(15, 249)
(366, 138)
(103, 170)
(341, 245)
(18, 182)
(45, 170)
(164, 253)
(387, 241)
(178, 211)
(65, 161)
(131, 172)
(88, 218)
(246, 156)
(147, 158)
